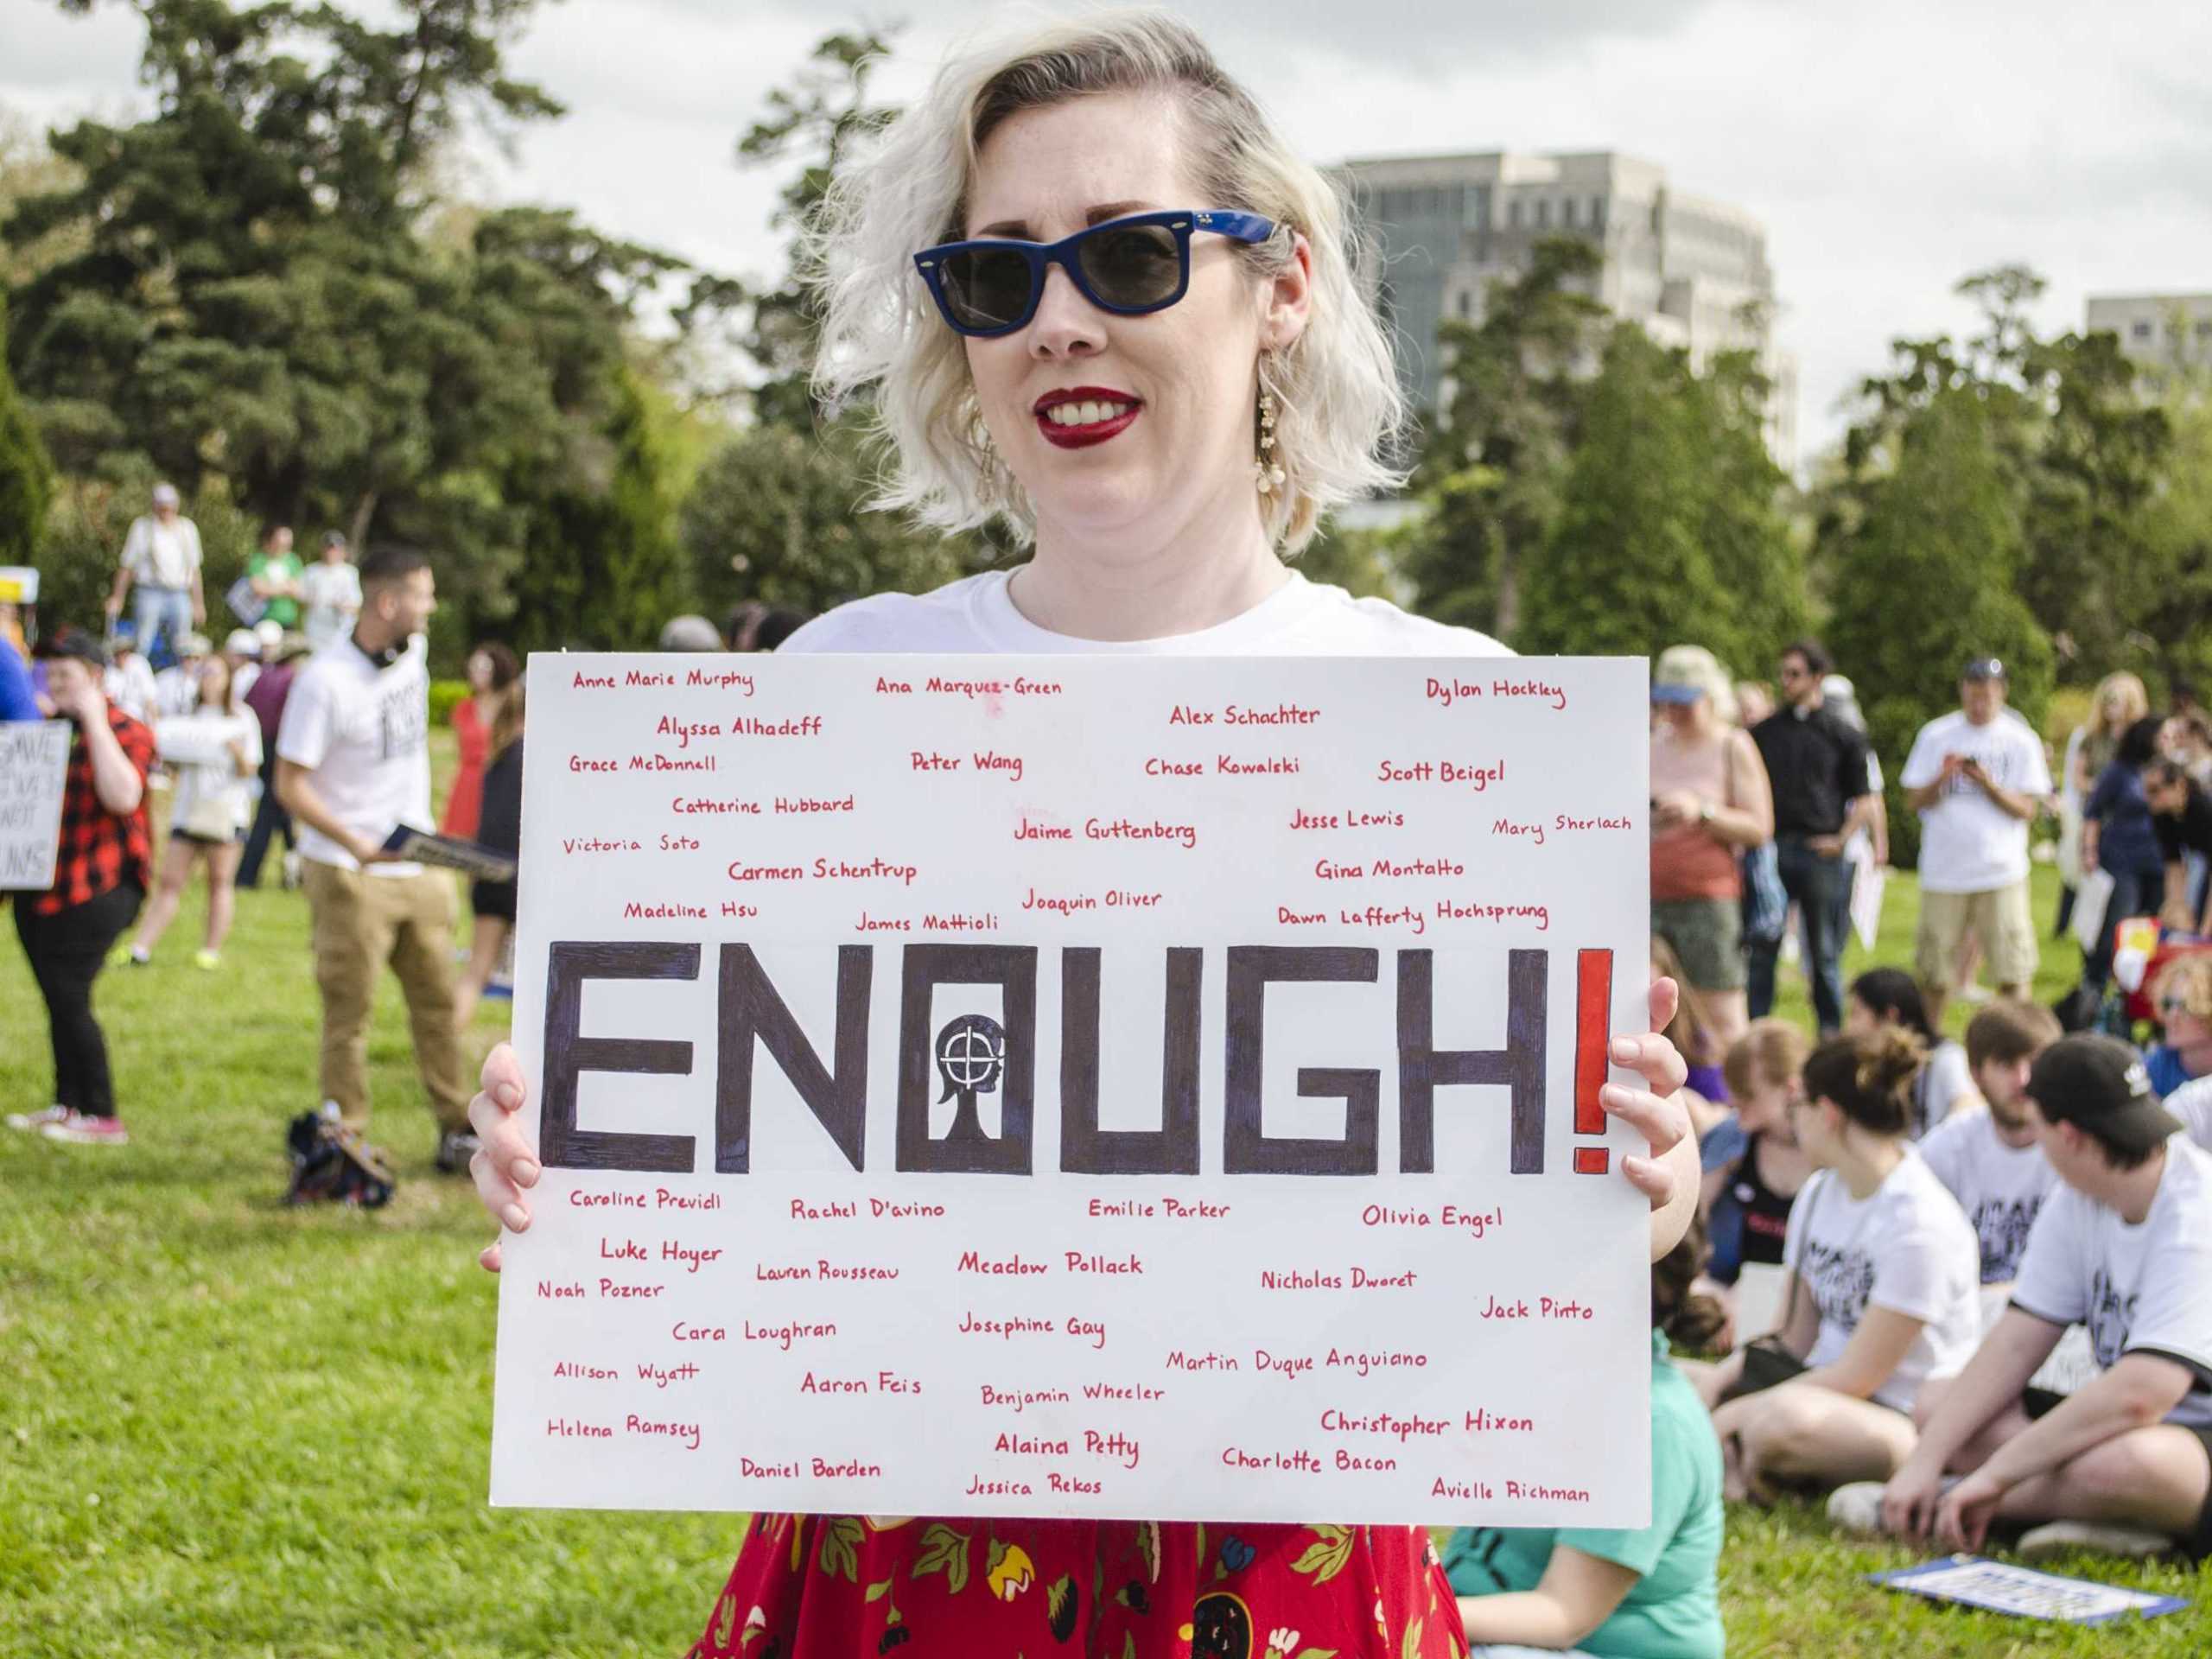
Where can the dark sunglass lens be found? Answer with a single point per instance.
(986, 288)
(1135, 266)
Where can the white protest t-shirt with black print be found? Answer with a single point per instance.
(2144, 1289)
(1999, 1187)
(364, 731)
(1905, 1247)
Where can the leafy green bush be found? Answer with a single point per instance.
(444, 694)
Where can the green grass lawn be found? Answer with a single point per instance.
(226, 1428)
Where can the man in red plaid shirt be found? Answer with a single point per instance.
(99, 880)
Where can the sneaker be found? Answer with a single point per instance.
(37, 1120)
(455, 1148)
(136, 956)
(2055, 1539)
(1857, 1508)
(207, 959)
(86, 1131)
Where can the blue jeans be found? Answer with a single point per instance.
(1814, 881)
(152, 609)
(2134, 892)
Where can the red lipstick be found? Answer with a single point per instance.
(1083, 436)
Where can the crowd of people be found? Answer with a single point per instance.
(1931, 1220)
(1969, 1285)
(309, 724)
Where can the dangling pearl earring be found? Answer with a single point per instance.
(1265, 474)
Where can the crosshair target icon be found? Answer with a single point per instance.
(970, 1059)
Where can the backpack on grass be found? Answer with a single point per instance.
(331, 1163)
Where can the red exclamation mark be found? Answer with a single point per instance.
(1593, 1014)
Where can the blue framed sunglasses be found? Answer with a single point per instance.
(1127, 266)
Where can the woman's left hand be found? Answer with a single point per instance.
(1655, 1111)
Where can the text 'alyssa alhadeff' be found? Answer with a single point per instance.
(973, 1055)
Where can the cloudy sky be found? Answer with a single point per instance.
(1889, 146)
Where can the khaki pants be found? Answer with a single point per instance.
(361, 922)
(1998, 917)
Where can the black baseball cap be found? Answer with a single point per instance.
(1983, 668)
(71, 642)
(2098, 1083)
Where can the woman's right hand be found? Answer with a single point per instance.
(504, 1165)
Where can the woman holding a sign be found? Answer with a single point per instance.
(100, 872)
(1092, 294)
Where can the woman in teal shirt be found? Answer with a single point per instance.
(1645, 1593)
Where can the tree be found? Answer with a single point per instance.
(258, 297)
(2175, 531)
(1757, 563)
(1626, 569)
(2077, 450)
(818, 119)
(1929, 579)
(2091, 575)
(26, 474)
(774, 517)
(1492, 474)
(1670, 528)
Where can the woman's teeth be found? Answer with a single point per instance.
(1088, 414)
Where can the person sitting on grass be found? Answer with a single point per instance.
(2124, 1465)
(1989, 1156)
(1753, 1166)
(1637, 1592)
(1884, 997)
(1883, 1292)
(2181, 997)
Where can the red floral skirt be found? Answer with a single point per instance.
(826, 1586)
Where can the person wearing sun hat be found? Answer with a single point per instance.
(1710, 801)
(2124, 1247)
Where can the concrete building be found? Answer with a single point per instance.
(1693, 271)
(2167, 331)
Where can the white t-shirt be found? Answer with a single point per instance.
(365, 732)
(196, 747)
(1967, 842)
(1942, 1082)
(2192, 1104)
(1999, 1187)
(176, 690)
(2141, 1289)
(162, 556)
(1300, 618)
(130, 686)
(1906, 1247)
(329, 594)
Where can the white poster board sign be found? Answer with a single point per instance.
(1080, 1087)
(34, 768)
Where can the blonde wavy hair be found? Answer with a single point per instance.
(2135, 703)
(1336, 391)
